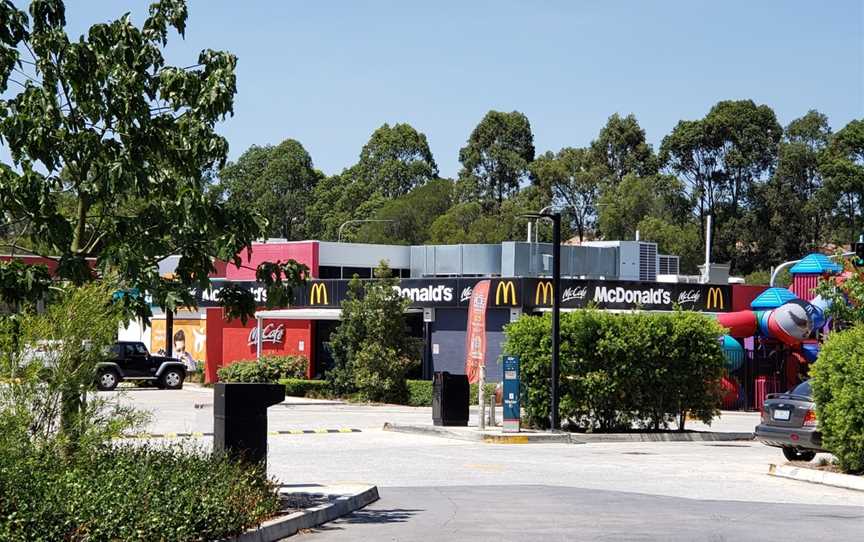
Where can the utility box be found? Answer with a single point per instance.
(450, 399)
(240, 418)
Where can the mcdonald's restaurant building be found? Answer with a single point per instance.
(438, 280)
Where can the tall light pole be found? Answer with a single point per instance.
(342, 226)
(555, 217)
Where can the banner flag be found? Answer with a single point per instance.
(475, 340)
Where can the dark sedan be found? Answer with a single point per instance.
(789, 422)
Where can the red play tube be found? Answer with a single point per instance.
(741, 324)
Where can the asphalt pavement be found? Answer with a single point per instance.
(440, 489)
(551, 513)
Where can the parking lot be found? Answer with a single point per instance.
(706, 481)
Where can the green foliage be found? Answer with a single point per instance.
(843, 167)
(300, 387)
(838, 391)
(372, 351)
(380, 373)
(496, 159)
(52, 358)
(846, 297)
(22, 284)
(396, 160)
(619, 370)
(276, 182)
(723, 158)
(132, 493)
(573, 177)
(411, 216)
(420, 393)
(621, 149)
(267, 369)
(113, 152)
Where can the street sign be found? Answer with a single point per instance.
(510, 396)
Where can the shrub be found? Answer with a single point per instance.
(267, 369)
(620, 370)
(298, 387)
(420, 392)
(838, 390)
(132, 493)
(380, 374)
(372, 352)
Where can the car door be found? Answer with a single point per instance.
(136, 362)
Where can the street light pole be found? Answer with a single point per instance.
(555, 376)
(554, 420)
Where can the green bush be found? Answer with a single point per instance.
(420, 392)
(130, 493)
(380, 374)
(267, 369)
(298, 387)
(618, 371)
(838, 390)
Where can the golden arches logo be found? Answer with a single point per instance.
(545, 288)
(715, 299)
(318, 293)
(507, 291)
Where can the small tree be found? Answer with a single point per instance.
(371, 349)
(48, 362)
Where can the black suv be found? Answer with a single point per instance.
(131, 361)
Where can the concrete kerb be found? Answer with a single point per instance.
(285, 526)
(529, 437)
(813, 476)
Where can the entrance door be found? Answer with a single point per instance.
(323, 355)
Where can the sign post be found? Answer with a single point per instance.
(510, 399)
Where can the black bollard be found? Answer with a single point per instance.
(240, 418)
(450, 399)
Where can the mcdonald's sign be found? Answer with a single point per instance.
(715, 299)
(505, 291)
(544, 292)
(318, 294)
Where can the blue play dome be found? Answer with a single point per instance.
(772, 298)
(816, 264)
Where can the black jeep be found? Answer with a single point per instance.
(131, 361)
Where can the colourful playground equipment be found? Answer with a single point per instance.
(782, 330)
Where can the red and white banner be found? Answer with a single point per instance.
(475, 341)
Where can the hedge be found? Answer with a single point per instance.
(420, 392)
(621, 370)
(838, 390)
(298, 387)
(267, 369)
(131, 493)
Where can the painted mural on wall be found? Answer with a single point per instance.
(189, 339)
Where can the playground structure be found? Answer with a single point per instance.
(770, 347)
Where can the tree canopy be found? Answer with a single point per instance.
(276, 182)
(496, 159)
(112, 150)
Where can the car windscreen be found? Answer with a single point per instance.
(802, 389)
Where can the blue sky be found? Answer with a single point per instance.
(328, 73)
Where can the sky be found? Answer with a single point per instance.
(329, 73)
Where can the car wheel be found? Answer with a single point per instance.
(172, 379)
(107, 380)
(791, 454)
